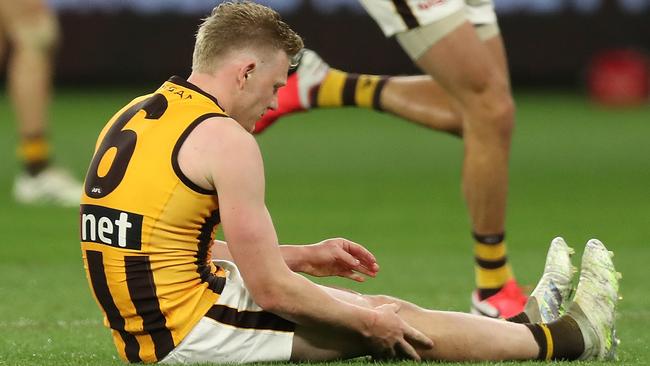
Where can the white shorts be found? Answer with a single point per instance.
(396, 16)
(235, 330)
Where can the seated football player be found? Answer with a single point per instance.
(172, 165)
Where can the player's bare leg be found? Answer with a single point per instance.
(419, 99)
(314, 84)
(32, 30)
(456, 336)
(422, 100)
(463, 66)
(585, 332)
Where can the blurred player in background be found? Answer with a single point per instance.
(31, 29)
(466, 92)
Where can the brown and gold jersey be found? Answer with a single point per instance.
(145, 228)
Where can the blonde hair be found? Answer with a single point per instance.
(237, 25)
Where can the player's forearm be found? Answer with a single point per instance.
(294, 255)
(303, 302)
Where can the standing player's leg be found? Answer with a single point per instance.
(314, 84)
(33, 35)
(420, 99)
(33, 32)
(451, 51)
(469, 97)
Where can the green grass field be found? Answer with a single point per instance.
(577, 170)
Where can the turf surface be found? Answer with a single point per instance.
(577, 170)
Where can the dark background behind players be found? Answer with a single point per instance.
(549, 42)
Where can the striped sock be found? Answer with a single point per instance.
(491, 266)
(34, 152)
(558, 340)
(345, 89)
(520, 318)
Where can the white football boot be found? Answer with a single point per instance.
(555, 287)
(51, 186)
(310, 72)
(594, 304)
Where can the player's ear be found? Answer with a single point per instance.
(245, 73)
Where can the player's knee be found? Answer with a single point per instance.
(454, 124)
(40, 33)
(494, 111)
(502, 117)
(378, 300)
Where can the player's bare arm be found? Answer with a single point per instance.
(330, 257)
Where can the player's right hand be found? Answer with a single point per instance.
(392, 338)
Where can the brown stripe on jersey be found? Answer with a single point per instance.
(488, 264)
(376, 102)
(349, 89)
(177, 148)
(249, 319)
(215, 283)
(406, 13)
(139, 280)
(102, 293)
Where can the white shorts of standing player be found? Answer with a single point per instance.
(418, 24)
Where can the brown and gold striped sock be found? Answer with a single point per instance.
(491, 265)
(558, 340)
(340, 88)
(34, 152)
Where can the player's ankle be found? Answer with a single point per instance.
(559, 340)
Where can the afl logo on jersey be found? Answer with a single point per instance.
(112, 227)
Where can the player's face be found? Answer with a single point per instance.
(260, 89)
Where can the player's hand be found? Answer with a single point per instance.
(339, 257)
(392, 338)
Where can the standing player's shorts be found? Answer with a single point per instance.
(419, 24)
(235, 330)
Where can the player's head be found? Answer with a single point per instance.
(236, 25)
(253, 37)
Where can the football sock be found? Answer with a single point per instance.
(340, 88)
(34, 152)
(491, 266)
(520, 318)
(558, 340)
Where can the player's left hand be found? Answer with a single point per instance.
(339, 257)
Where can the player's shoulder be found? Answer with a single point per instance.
(223, 134)
(223, 126)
